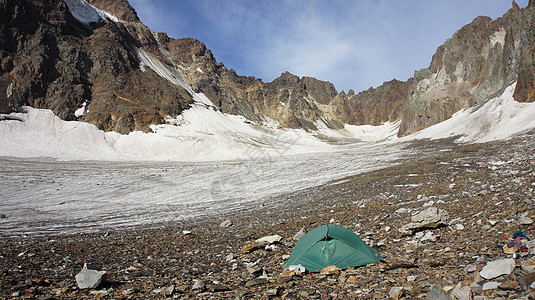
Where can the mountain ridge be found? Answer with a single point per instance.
(50, 59)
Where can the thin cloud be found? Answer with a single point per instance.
(353, 44)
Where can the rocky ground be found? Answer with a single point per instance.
(485, 189)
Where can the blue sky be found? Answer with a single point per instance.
(355, 44)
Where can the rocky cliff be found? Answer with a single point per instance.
(98, 63)
(477, 62)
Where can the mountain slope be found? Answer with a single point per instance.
(96, 62)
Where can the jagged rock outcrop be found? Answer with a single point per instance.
(478, 61)
(50, 58)
(373, 106)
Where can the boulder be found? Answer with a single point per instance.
(89, 277)
(431, 217)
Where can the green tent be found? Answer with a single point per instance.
(331, 245)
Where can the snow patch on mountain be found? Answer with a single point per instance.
(87, 13)
(498, 118)
(171, 74)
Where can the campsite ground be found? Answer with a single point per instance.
(485, 188)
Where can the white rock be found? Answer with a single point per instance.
(298, 269)
(197, 284)
(411, 278)
(402, 210)
(226, 223)
(490, 285)
(186, 232)
(299, 234)
(395, 292)
(430, 203)
(525, 221)
(270, 239)
(464, 293)
(459, 227)
(497, 268)
(89, 278)
(411, 246)
(493, 222)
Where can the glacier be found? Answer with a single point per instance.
(60, 177)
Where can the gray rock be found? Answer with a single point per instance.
(490, 285)
(497, 268)
(437, 293)
(432, 217)
(89, 278)
(525, 221)
(226, 223)
(299, 234)
(217, 287)
(268, 240)
(464, 293)
(526, 280)
(197, 284)
(395, 292)
(256, 281)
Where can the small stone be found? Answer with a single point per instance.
(437, 293)
(298, 269)
(256, 281)
(330, 270)
(286, 275)
(268, 240)
(476, 288)
(411, 246)
(197, 284)
(459, 227)
(253, 269)
(470, 268)
(528, 266)
(168, 291)
(509, 284)
(186, 232)
(525, 221)
(271, 293)
(493, 222)
(226, 223)
(299, 234)
(402, 210)
(99, 294)
(411, 278)
(490, 285)
(395, 292)
(217, 287)
(464, 293)
(526, 280)
(89, 278)
(251, 247)
(496, 268)
(229, 257)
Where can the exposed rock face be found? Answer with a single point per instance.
(50, 59)
(479, 61)
(373, 106)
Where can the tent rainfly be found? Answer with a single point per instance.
(331, 245)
